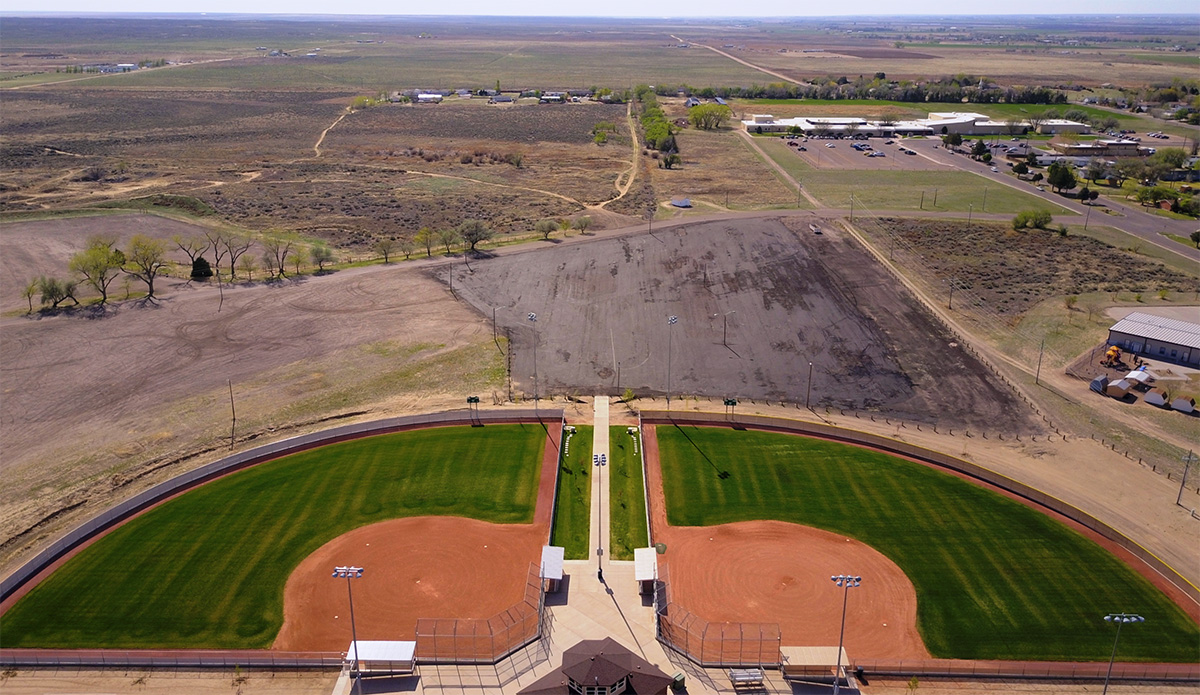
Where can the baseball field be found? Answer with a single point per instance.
(209, 568)
(993, 578)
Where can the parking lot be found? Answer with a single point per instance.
(841, 154)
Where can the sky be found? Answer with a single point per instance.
(609, 8)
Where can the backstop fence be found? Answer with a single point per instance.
(714, 645)
(484, 641)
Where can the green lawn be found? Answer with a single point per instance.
(627, 495)
(208, 568)
(573, 512)
(994, 578)
(898, 189)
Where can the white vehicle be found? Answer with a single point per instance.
(995, 169)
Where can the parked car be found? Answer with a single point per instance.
(995, 169)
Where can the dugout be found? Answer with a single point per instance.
(645, 569)
(552, 568)
(382, 657)
(814, 664)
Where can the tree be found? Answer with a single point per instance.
(1195, 237)
(1128, 168)
(32, 289)
(276, 249)
(201, 268)
(98, 264)
(1013, 126)
(709, 116)
(545, 228)
(1038, 219)
(1096, 169)
(1031, 157)
(1172, 157)
(216, 240)
(979, 149)
(889, 118)
(407, 246)
(425, 237)
(248, 265)
(385, 247)
(320, 255)
(235, 245)
(1085, 194)
(194, 247)
(1061, 177)
(146, 258)
(670, 160)
(952, 140)
(54, 291)
(1037, 118)
(583, 223)
(1109, 123)
(1020, 168)
(448, 237)
(474, 232)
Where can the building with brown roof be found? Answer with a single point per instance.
(601, 667)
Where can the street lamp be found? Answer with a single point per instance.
(970, 210)
(533, 320)
(1120, 619)
(671, 321)
(351, 573)
(847, 582)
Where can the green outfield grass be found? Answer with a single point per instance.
(994, 578)
(208, 568)
(627, 495)
(572, 514)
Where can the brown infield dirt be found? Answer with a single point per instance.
(776, 572)
(420, 567)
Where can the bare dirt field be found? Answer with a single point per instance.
(784, 297)
(147, 388)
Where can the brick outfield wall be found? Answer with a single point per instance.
(938, 459)
(120, 513)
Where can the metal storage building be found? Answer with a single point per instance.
(1158, 338)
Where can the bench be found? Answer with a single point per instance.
(745, 676)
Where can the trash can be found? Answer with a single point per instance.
(677, 683)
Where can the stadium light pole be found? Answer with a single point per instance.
(533, 320)
(671, 321)
(1120, 619)
(847, 582)
(725, 326)
(351, 573)
(808, 390)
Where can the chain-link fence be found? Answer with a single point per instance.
(483, 641)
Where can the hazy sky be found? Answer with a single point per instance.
(611, 8)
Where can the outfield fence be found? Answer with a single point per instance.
(939, 459)
(484, 641)
(1033, 670)
(116, 515)
(201, 659)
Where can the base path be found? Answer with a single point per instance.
(419, 567)
(777, 572)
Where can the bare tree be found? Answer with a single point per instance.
(216, 240)
(276, 250)
(194, 247)
(235, 246)
(407, 246)
(146, 259)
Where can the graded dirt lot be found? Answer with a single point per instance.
(784, 297)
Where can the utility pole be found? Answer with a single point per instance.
(233, 414)
(1187, 464)
(1038, 375)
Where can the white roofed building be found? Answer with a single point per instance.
(1158, 337)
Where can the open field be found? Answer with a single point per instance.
(717, 168)
(999, 579)
(572, 513)
(627, 495)
(792, 297)
(895, 181)
(196, 585)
